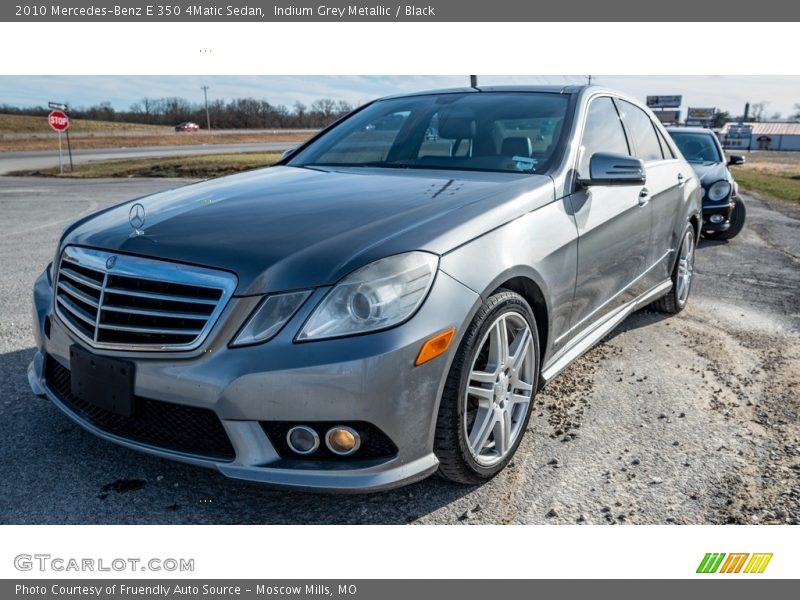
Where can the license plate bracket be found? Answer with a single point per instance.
(104, 382)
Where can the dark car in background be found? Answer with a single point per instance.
(724, 211)
(187, 126)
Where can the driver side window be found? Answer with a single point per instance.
(603, 132)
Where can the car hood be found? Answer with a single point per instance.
(710, 172)
(288, 228)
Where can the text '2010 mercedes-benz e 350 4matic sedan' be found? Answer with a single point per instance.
(382, 304)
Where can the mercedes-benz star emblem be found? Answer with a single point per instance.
(136, 218)
(110, 262)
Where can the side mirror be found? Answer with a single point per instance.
(606, 168)
(735, 160)
(287, 153)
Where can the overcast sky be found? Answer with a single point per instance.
(723, 92)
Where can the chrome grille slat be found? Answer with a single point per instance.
(75, 292)
(165, 297)
(77, 311)
(154, 330)
(118, 301)
(168, 314)
(75, 276)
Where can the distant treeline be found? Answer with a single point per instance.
(239, 113)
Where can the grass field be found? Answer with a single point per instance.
(27, 124)
(19, 133)
(775, 174)
(200, 167)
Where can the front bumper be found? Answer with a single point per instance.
(723, 209)
(370, 378)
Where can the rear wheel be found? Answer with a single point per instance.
(487, 399)
(675, 301)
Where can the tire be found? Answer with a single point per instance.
(505, 380)
(737, 223)
(682, 276)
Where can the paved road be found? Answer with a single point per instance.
(691, 419)
(41, 159)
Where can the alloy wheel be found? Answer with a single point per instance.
(500, 388)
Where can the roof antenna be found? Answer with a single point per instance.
(589, 79)
(473, 81)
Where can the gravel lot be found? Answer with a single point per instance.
(692, 419)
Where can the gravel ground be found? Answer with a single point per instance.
(690, 419)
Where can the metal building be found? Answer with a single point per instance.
(762, 136)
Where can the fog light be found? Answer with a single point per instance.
(302, 439)
(342, 440)
(717, 218)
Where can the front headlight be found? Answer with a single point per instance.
(380, 295)
(719, 191)
(269, 317)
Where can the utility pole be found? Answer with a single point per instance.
(589, 79)
(205, 95)
(473, 81)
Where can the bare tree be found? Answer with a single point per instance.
(758, 111)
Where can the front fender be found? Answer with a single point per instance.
(540, 246)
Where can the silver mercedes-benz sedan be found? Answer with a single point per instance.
(382, 304)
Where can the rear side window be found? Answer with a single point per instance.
(642, 132)
(603, 133)
(665, 147)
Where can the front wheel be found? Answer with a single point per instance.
(487, 398)
(675, 301)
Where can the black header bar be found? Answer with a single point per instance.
(717, 11)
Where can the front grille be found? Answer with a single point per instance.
(186, 429)
(374, 443)
(120, 301)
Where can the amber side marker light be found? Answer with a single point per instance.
(435, 346)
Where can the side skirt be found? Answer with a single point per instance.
(599, 330)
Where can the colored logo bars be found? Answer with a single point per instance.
(734, 563)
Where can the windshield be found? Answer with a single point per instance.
(697, 147)
(490, 131)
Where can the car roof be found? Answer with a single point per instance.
(541, 89)
(548, 89)
(691, 130)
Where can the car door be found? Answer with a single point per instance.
(665, 188)
(612, 220)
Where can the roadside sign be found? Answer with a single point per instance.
(664, 101)
(668, 117)
(57, 105)
(701, 114)
(58, 120)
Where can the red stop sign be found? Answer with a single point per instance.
(58, 120)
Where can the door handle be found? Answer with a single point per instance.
(681, 180)
(644, 197)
